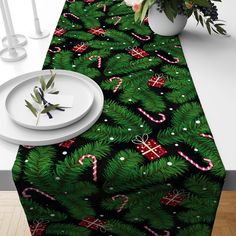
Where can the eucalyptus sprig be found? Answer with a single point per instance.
(40, 108)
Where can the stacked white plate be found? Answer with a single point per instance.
(17, 123)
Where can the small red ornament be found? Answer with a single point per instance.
(173, 198)
(81, 47)
(97, 31)
(93, 223)
(149, 147)
(138, 52)
(67, 144)
(59, 32)
(37, 228)
(157, 81)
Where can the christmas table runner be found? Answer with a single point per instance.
(149, 166)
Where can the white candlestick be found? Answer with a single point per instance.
(11, 53)
(18, 39)
(38, 31)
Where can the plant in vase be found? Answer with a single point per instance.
(169, 17)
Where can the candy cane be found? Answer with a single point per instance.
(57, 49)
(210, 164)
(36, 190)
(103, 5)
(151, 118)
(119, 83)
(118, 19)
(70, 14)
(151, 231)
(171, 62)
(178, 46)
(140, 38)
(125, 201)
(99, 60)
(70, 1)
(206, 136)
(94, 159)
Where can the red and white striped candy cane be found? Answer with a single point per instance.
(99, 60)
(178, 46)
(70, 14)
(206, 136)
(165, 59)
(141, 38)
(151, 231)
(163, 117)
(56, 50)
(103, 5)
(210, 164)
(94, 159)
(117, 18)
(24, 193)
(119, 83)
(125, 201)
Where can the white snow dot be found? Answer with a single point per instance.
(111, 47)
(148, 207)
(198, 216)
(101, 215)
(185, 129)
(129, 129)
(172, 133)
(26, 160)
(177, 72)
(57, 178)
(183, 95)
(161, 93)
(111, 188)
(141, 126)
(86, 199)
(169, 163)
(198, 121)
(64, 153)
(139, 192)
(176, 144)
(136, 218)
(31, 208)
(174, 212)
(144, 173)
(98, 129)
(130, 100)
(73, 65)
(204, 189)
(122, 158)
(170, 108)
(109, 72)
(195, 149)
(105, 120)
(111, 138)
(52, 215)
(139, 88)
(150, 59)
(118, 57)
(168, 184)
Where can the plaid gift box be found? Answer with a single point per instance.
(138, 53)
(59, 32)
(97, 31)
(156, 81)
(37, 228)
(93, 223)
(67, 144)
(81, 47)
(173, 198)
(149, 147)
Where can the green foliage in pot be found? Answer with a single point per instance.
(205, 11)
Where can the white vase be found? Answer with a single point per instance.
(160, 24)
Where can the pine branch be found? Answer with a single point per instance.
(120, 9)
(79, 35)
(62, 60)
(128, 125)
(195, 230)
(35, 211)
(57, 40)
(17, 167)
(67, 230)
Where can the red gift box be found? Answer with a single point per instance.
(156, 81)
(93, 223)
(97, 31)
(81, 47)
(67, 144)
(173, 198)
(149, 147)
(138, 53)
(37, 229)
(59, 32)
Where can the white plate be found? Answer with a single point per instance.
(67, 84)
(14, 133)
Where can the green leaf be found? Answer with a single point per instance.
(43, 84)
(144, 10)
(202, 3)
(32, 109)
(208, 25)
(50, 82)
(37, 95)
(169, 11)
(49, 108)
(55, 92)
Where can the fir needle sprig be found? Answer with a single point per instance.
(41, 105)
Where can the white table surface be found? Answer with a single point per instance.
(211, 59)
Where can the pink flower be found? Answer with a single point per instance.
(135, 4)
(136, 7)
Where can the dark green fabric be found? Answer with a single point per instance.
(149, 124)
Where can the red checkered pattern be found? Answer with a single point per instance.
(138, 53)
(59, 32)
(79, 48)
(97, 31)
(156, 81)
(92, 223)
